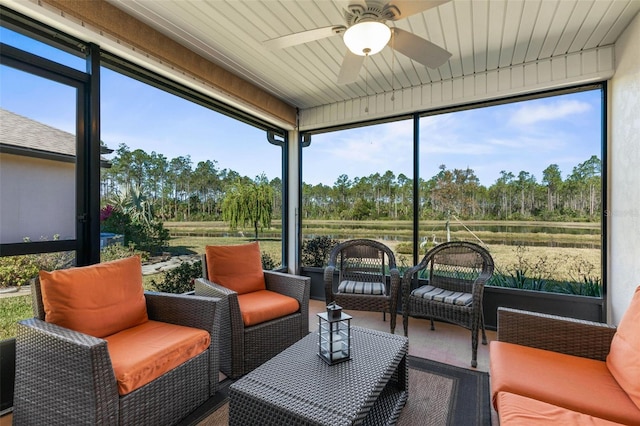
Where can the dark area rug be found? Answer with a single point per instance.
(439, 394)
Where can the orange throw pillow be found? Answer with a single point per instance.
(99, 300)
(238, 267)
(623, 360)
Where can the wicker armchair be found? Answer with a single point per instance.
(456, 273)
(243, 348)
(363, 286)
(66, 377)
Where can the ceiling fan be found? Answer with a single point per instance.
(366, 33)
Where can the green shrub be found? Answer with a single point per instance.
(180, 279)
(118, 251)
(404, 248)
(267, 262)
(316, 251)
(149, 236)
(17, 270)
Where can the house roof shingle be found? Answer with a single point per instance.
(30, 136)
(23, 132)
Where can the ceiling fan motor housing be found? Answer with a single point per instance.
(374, 11)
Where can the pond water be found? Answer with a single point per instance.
(511, 234)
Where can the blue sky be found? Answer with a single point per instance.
(529, 136)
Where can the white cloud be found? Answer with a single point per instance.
(531, 113)
(530, 143)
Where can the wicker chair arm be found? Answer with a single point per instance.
(45, 330)
(187, 310)
(408, 279)
(295, 286)
(328, 282)
(78, 364)
(204, 287)
(554, 333)
(394, 273)
(329, 271)
(230, 311)
(395, 280)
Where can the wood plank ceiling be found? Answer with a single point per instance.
(482, 35)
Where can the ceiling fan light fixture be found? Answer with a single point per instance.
(367, 38)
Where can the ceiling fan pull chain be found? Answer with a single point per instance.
(366, 82)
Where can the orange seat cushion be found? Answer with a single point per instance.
(143, 353)
(265, 305)
(98, 300)
(624, 356)
(522, 411)
(238, 267)
(575, 383)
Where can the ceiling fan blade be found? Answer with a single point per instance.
(418, 49)
(350, 69)
(406, 8)
(303, 37)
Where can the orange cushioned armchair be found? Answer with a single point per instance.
(547, 369)
(100, 350)
(267, 311)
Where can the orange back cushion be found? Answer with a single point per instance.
(238, 267)
(98, 300)
(623, 360)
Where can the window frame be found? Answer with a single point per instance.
(306, 137)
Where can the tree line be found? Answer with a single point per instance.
(459, 192)
(178, 190)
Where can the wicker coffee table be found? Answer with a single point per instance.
(296, 387)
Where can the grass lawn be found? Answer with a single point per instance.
(12, 310)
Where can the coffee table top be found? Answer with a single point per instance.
(328, 394)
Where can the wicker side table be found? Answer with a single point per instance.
(296, 387)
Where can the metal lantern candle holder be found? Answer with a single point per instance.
(334, 335)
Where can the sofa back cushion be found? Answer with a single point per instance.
(99, 300)
(623, 360)
(238, 267)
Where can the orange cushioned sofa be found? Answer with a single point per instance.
(553, 370)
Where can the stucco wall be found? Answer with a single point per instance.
(624, 175)
(37, 199)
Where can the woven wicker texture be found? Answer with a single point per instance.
(242, 349)
(553, 333)
(453, 267)
(296, 387)
(364, 261)
(65, 377)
